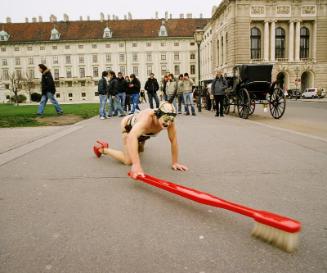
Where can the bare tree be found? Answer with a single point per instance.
(28, 83)
(15, 78)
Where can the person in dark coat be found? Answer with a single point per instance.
(121, 90)
(128, 95)
(134, 89)
(48, 90)
(152, 86)
(103, 94)
(218, 86)
(114, 103)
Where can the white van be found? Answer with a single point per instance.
(310, 93)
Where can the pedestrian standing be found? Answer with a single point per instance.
(180, 98)
(218, 86)
(48, 90)
(121, 90)
(152, 86)
(103, 94)
(114, 103)
(135, 87)
(188, 94)
(127, 108)
(171, 89)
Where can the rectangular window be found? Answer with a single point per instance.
(134, 44)
(96, 94)
(56, 73)
(68, 60)
(43, 60)
(95, 58)
(177, 69)
(82, 72)
(17, 61)
(163, 44)
(192, 56)
(67, 46)
(4, 62)
(68, 72)
(94, 46)
(108, 45)
(95, 71)
(81, 59)
(30, 60)
(163, 70)
(29, 48)
(57, 95)
(163, 57)
(122, 69)
(108, 58)
(149, 57)
(176, 56)
(148, 44)
(54, 47)
(3, 49)
(176, 44)
(108, 68)
(83, 94)
(192, 44)
(31, 74)
(121, 57)
(5, 74)
(192, 69)
(42, 48)
(19, 73)
(149, 69)
(121, 44)
(69, 84)
(134, 57)
(80, 46)
(136, 70)
(70, 95)
(16, 48)
(83, 83)
(55, 59)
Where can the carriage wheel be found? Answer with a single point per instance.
(243, 103)
(226, 105)
(252, 107)
(277, 103)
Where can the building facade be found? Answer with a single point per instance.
(289, 34)
(77, 52)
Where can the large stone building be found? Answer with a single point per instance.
(78, 51)
(290, 34)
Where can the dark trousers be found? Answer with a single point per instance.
(219, 99)
(153, 96)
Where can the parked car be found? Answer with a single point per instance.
(294, 93)
(310, 93)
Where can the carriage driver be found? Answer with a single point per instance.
(136, 129)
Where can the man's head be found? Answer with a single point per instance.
(104, 74)
(132, 76)
(166, 114)
(151, 75)
(42, 68)
(219, 73)
(112, 74)
(186, 75)
(120, 75)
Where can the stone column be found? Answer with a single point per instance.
(266, 42)
(314, 42)
(291, 42)
(225, 48)
(297, 41)
(272, 41)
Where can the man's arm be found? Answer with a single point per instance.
(174, 149)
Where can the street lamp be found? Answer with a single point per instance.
(198, 37)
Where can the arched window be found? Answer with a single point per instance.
(255, 43)
(304, 43)
(279, 43)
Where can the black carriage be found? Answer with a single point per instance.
(250, 85)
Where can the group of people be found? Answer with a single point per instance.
(122, 94)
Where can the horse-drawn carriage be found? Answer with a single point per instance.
(250, 85)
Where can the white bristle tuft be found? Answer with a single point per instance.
(282, 239)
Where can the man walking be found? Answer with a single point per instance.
(152, 86)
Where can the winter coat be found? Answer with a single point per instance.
(112, 88)
(121, 85)
(135, 89)
(103, 86)
(151, 85)
(47, 83)
(187, 85)
(218, 86)
(171, 88)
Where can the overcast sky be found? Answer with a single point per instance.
(140, 9)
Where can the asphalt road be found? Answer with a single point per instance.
(63, 210)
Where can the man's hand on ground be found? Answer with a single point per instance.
(136, 171)
(179, 167)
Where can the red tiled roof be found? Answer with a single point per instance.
(88, 30)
